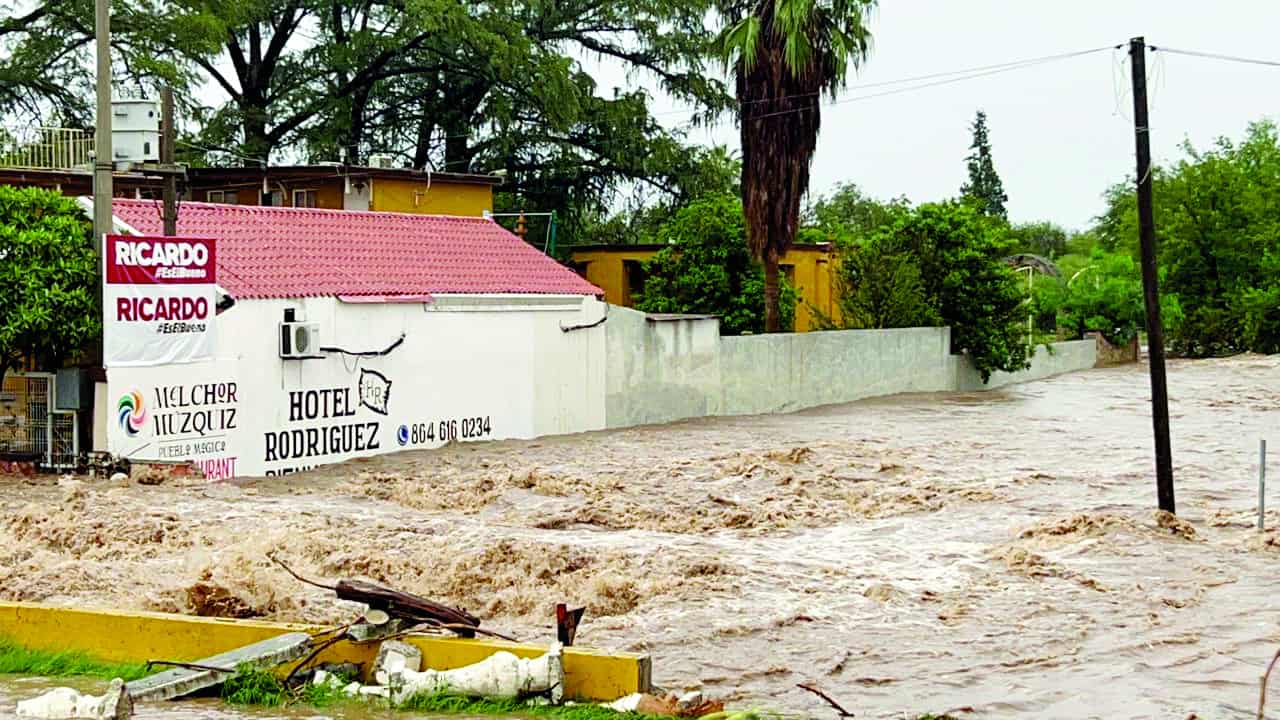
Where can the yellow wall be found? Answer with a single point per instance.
(407, 196)
(809, 268)
(134, 637)
(606, 269)
(443, 198)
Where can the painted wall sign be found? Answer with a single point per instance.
(194, 421)
(249, 412)
(159, 300)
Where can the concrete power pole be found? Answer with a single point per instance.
(102, 163)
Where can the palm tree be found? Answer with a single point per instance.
(785, 55)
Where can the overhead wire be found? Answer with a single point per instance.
(995, 67)
(1215, 56)
(971, 75)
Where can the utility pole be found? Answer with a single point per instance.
(1150, 278)
(168, 137)
(102, 162)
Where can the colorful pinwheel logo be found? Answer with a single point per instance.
(132, 413)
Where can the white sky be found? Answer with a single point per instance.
(1057, 138)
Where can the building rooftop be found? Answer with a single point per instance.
(213, 175)
(281, 252)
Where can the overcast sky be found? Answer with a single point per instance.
(1058, 139)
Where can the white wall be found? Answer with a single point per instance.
(485, 367)
(493, 367)
(675, 368)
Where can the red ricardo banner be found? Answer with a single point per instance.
(159, 300)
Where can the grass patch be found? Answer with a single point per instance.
(251, 686)
(18, 660)
(443, 704)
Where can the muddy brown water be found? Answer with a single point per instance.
(994, 553)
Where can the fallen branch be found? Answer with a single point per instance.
(296, 576)
(838, 707)
(398, 604)
(1262, 698)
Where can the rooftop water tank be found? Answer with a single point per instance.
(135, 131)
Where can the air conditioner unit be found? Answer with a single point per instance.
(382, 162)
(299, 340)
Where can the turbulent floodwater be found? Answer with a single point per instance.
(994, 551)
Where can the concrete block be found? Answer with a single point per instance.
(184, 681)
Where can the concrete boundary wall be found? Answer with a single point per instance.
(664, 368)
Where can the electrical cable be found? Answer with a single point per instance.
(1010, 65)
(1001, 69)
(1215, 56)
(367, 353)
(585, 326)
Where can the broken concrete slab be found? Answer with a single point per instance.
(501, 675)
(394, 656)
(184, 681)
(65, 703)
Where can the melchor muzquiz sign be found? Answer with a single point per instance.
(159, 300)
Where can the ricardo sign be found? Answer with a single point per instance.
(159, 300)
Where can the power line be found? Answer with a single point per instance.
(261, 161)
(972, 74)
(1216, 56)
(982, 69)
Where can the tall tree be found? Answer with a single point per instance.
(785, 54)
(984, 184)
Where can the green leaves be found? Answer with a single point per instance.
(984, 186)
(1217, 217)
(707, 268)
(939, 263)
(48, 277)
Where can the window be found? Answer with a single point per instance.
(634, 278)
(304, 198)
(216, 196)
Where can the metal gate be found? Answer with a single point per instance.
(30, 428)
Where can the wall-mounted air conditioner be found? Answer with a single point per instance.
(299, 340)
(382, 162)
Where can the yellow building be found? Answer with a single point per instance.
(810, 269)
(346, 187)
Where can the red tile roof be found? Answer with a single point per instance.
(275, 252)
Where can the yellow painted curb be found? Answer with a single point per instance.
(126, 637)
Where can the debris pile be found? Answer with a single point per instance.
(398, 671)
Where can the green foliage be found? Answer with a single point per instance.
(708, 171)
(18, 660)
(1040, 238)
(880, 286)
(1217, 216)
(707, 268)
(984, 186)
(1105, 297)
(48, 278)
(849, 215)
(252, 686)
(941, 263)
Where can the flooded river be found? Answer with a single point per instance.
(996, 551)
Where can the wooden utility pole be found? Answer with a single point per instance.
(1150, 278)
(168, 136)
